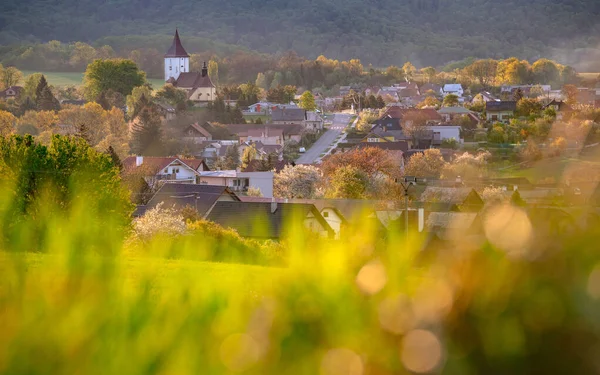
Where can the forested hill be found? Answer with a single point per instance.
(428, 32)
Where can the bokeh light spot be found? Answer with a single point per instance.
(509, 229)
(421, 351)
(372, 277)
(341, 362)
(396, 315)
(239, 352)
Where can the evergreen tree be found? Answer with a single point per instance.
(116, 160)
(146, 134)
(380, 102)
(45, 100)
(518, 95)
(232, 158)
(83, 132)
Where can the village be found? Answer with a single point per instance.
(438, 150)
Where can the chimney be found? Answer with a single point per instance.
(139, 160)
(204, 70)
(273, 205)
(421, 215)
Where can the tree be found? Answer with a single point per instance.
(232, 158)
(415, 126)
(528, 107)
(427, 164)
(467, 166)
(88, 120)
(366, 120)
(518, 94)
(409, 71)
(484, 71)
(172, 95)
(371, 160)
(213, 72)
(261, 81)
(114, 157)
(430, 102)
(249, 154)
(11, 76)
(545, 71)
(133, 100)
(45, 100)
(307, 101)
(147, 134)
(429, 72)
(347, 182)
(570, 92)
(249, 94)
(119, 75)
(254, 192)
(7, 123)
(513, 72)
(298, 181)
(30, 87)
(450, 100)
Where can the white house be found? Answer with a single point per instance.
(240, 181)
(168, 169)
(335, 220)
(442, 132)
(453, 88)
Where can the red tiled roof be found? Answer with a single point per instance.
(176, 49)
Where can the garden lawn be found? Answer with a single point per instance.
(61, 79)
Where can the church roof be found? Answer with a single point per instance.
(176, 49)
(193, 80)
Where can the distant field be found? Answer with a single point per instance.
(74, 78)
(589, 75)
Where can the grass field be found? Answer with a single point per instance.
(589, 75)
(73, 78)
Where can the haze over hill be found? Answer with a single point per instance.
(381, 32)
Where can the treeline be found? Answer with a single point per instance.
(431, 32)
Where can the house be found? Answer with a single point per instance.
(269, 220)
(452, 113)
(73, 102)
(198, 85)
(196, 134)
(431, 88)
(389, 94)
(290, 132)
(453, 88)
(560, 107)
(501, 111)
(201, 197)
(313, 121)
(283, 116)
(484, 97)
(177, 60)
(167, 112)
(466, 199)
(165, 169)
(11, 92)
(453, 225)
(527, 90)
(445, 132)
(262, 150)
(266, 135)
(239, 182)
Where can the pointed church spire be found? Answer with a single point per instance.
(176, 49)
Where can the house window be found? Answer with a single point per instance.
(325, 214)
(166, 170)
(170, 68)
(175, 170)
(494, 117)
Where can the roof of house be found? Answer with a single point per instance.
(260, 220)
(452, 87)
(176, 49)
(201, 197)
(454, 111)
(193, 80)
(390, 146)
(156, 164)
(449, 195)
(562, 106)
(264, 132)
(197, 127)
(502, 105)
(16, 89)
(288, 114)
(430, 86)
(397, 112)
(288, 129)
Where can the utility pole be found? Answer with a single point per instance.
(406, 183)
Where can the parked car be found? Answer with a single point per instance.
(302, 150)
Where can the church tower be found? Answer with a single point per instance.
(177, 59)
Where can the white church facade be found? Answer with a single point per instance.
(199, 86)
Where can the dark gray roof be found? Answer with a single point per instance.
(288, 129)
(288, 114)
(256, 219)
(193, 80)
(497, 106)
(201, 197)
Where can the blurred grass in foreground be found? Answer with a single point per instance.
(363, 305)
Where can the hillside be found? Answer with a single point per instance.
(381, 32)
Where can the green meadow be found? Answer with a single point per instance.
(75, 79)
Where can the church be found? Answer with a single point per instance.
(200, 88)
